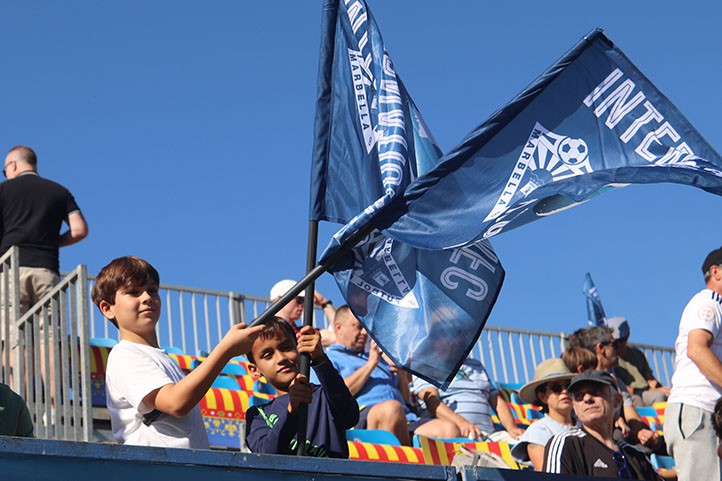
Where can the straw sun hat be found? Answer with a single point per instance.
(548, 371)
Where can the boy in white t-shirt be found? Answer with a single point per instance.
(150, 401)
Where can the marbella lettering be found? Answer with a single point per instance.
(620, 105)
(381, 94)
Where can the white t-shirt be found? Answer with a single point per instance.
(689, 386)
(133, 371)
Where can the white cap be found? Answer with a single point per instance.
(282, 287)
(619, 327)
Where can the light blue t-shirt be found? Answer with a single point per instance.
(539, 432)
(468, 394)
(381, 386)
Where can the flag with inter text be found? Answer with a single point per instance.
(590, 123)
(424, 308)
(595, 311)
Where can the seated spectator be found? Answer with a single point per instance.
(549, 390)
(633, 367)
(15, 418)
(591, 450)
(578, 359)
(630, 425)
(381, 389)
(467, 403)
(293, 311)
(272, 428)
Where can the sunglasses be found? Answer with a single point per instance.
(299, 300)
(558, 387)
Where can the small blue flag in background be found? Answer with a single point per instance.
(591, 122)
(424, 308)
(595, 311)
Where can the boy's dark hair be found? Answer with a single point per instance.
(122, 273)
(717, 418)
(274, 327)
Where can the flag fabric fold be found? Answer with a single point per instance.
(590, 123)
(595, 311)
(425, 308)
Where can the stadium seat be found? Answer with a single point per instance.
(385, 453)
(263, 387)
(224, 411)
(234, 369)
(440, 452)
(226, 382)
(103, 342)
(661, 462)
(373, 436)
(172, 350)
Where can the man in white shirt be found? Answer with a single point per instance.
(697, 381)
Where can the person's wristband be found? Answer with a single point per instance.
(327, 303)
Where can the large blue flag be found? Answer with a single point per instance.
(591, 122)
(425, 309)
(595, 311)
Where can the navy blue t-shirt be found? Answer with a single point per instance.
(270, 429)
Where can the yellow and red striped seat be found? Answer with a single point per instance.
(385, 452)
(437, 451)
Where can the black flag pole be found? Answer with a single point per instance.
(305, 364)
(315, 273)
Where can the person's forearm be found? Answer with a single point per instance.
(178, 399)
(356, 381)
(442, 411)
(706, 361)
(504, 413)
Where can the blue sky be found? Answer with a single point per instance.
(184, 129)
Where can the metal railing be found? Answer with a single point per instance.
(51, 361)
(9, 310)
(510, 355)
(195, 320)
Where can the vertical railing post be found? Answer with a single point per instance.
(83, 304)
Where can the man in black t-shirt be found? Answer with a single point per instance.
(33, 210)
(591, 449)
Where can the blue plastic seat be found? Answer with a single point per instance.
(233, 369)
(417, 442)
(103, 342)
(173, 350)
(374, 436)
(226, 382)
(664, 462)
(264, 387)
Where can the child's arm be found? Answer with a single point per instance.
(270, 428)
(178, 399)
(342, 403)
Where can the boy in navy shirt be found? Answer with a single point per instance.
(272, 428)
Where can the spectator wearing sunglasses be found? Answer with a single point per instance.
(548, 390)
(293, 311)
(591, 450)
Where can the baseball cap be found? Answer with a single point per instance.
(282, 287)
(714, 258)
(619, 327)
(600, 377)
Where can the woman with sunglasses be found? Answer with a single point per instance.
(549, 390)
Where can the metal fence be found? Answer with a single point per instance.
(9, 310)
(195, 320)
(51, 360)
(510, 355)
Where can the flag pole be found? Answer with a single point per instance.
(305, 364)
(314, 274)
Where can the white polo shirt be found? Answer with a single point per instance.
(689, 385)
